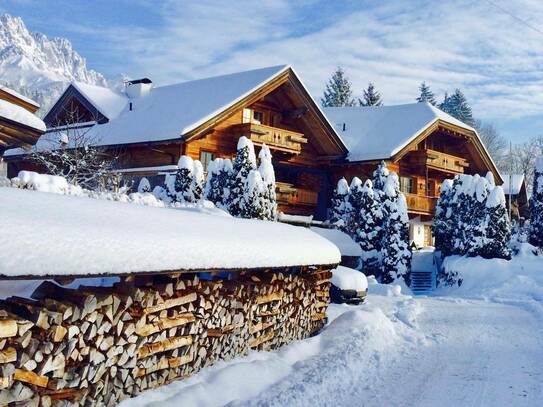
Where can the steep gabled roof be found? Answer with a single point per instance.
(380, 132)
(105, 100)
(516, 183)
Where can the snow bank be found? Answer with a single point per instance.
(347, 246)
(19, 114)
(42, 182)
(347, 278)
(47, 234)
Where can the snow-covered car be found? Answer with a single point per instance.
(348, 286)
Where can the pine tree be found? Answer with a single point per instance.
(217, 183)
(338, 91)
(426, 95)
(463, 202)
(369, 232)
(442, 225)
(396, 253)
(475, 232)
(244, 163)
(198, 181)
(339, 204)
(497, 229)
(457, 106)
(380, 176)
(252, 204)
(268, 177)
(352, 217)
(144, 186)
(535, 232)
(371, 97)
(181, 189)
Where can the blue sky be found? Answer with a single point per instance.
(492, 50)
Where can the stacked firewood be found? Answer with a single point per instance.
(96, 346)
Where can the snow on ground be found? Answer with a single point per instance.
(460, 347)
(49, 234)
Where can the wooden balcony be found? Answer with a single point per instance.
(424, 205)
(287, 194)
(275, 138)
(439, 161)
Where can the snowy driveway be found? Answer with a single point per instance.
(393, 351)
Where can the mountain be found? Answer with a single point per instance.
(37, 66)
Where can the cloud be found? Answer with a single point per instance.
(495, 58)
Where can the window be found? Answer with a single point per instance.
(258, 117)
(247, 116)
(406, 185)
(205, 158)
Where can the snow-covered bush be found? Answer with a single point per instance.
(186, 186)
(380, 176)
(370, 230)
(396, 253)
(496, 227)
(339, 205)
(244, 163)
(217, 189)
(352, 215)
(442, 226)
(144, 186)
(268, 178)
(253, 205)
(536, 206)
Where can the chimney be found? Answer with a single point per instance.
(138, 88)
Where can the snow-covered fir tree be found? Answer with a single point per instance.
(396, 253)
(426, 95)
(457, 106)
(218, 180)
(370, 227)
(380, 176)
(268, 178)
(475, 230)
(181, 189)
(339, 204)
(198, 182)
(496, 227)
(252, 204)
(535, 232)
(352, 216)
(370, 97)
(144, 186)
(442, 225)
(244, 163)
(463, 201)
(338, 91)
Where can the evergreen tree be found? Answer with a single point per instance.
(396, 253)
(217, 183)
(442, 225)
(463, 202)
(380, 176)
(244, 163)
(181, 189)
(339, 204)
(352, 217)
(371, 97)
(497, 229)
(426, 95)
(475, 232)
(369, 232)
(144, 186)
(253, 203)
(268, 177)
(338, 91)
(535, 232)
(457, 106)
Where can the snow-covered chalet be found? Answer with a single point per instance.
(150, 127)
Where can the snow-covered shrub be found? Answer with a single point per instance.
(396, 253)
(268, 178)
(370, 230)
(217, 184)
(536, 206)
(339, 205)
(352, 214)
(5, 182)
(253, 205)
(144, 186)
(496, 227)
(476, 229)
(442, 225)
(187, 185)
(244, 163)
(380, 176)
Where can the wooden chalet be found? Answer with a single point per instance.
(153, 126)
(422, 144)
(514, 187)
(19, 126)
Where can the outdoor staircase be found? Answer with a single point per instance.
(423, 273)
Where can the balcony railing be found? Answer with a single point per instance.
(275, 138)
(421, 204)
(440, 161)
(287, 194)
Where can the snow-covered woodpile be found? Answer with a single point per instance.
(99, 345)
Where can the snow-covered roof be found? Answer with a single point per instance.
(20, 115)
(19, 96)
(105, 100)
(88, 236)
(379, 132)
(346, 245)
(169, 112)
(516, 184)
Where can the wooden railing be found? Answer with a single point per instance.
(421, 204)
(275, 138)
(440, 161)
(287, 194)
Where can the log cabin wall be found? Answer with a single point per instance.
(95, 346)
